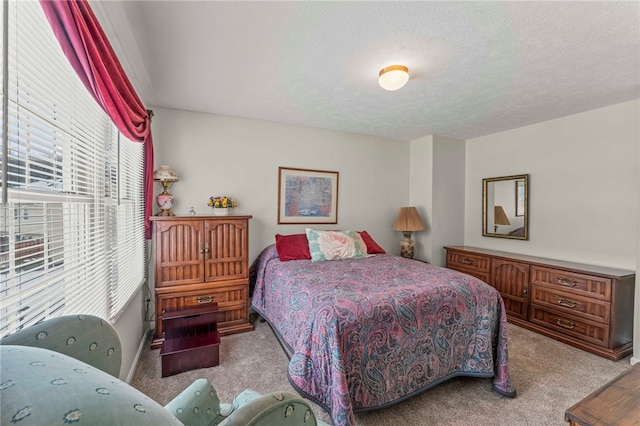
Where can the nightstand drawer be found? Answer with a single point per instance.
(586, 285)
(471, 262)
(597, 334)
(572, 304)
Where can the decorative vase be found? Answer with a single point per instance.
(165, 202)
(221, 212)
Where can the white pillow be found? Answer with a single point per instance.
(335, 245)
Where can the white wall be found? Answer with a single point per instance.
(583, 186)
(132, 328)
(220, 155)
(448, 195)
(421, 194)
(438, 192)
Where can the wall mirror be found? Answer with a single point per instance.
(505, 207)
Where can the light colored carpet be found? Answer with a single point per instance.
(548, 375)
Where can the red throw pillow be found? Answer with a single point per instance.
(372, 246)
(292, 247)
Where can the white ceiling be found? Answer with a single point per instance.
(476, 67)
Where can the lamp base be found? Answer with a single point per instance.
(165, 202)
(406, 246)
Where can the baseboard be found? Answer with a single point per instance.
(143, 343)
(634, 360)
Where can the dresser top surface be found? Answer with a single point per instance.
(574, 266)
(197, 217)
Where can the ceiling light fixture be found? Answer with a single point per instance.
(393, 77)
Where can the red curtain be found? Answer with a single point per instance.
(92, 57)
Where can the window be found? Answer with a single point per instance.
(72, 214)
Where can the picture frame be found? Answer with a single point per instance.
(307, 196)
(520, 205)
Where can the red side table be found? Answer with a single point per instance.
(191, 339)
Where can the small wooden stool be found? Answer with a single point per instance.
(191, 339)
(616, 403)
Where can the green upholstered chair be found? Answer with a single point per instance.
(87, 338)
(284, 408)
(64, 370)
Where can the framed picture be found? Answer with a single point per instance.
(307, 196)
(520, 197)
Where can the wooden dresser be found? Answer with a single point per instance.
(201, 260)
(589, 307)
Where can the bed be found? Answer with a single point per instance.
(366, 333)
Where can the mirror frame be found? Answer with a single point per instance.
(485, 184)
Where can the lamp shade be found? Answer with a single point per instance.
(408, 219)
(393, 77)
(165, 173)
(500, 217)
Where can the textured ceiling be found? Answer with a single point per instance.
(476, 67)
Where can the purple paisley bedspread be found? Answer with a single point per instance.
(366, 333)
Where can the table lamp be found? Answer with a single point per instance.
(499, 218)
(407, 221)
(165, 176)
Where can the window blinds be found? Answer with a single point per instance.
(72, 237)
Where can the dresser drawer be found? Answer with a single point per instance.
(223, 296)
(572, 304)
(587, 331)
(233, 311)
(470, 262)
(576, 283)
(483, 276)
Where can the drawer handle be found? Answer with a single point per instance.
(567, 303)
(467, 261)
(204, 299)
(565, 324)
(566, 281)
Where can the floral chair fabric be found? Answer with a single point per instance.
(64, 371)
(85, 337)
(43, 387)
(282, 408)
